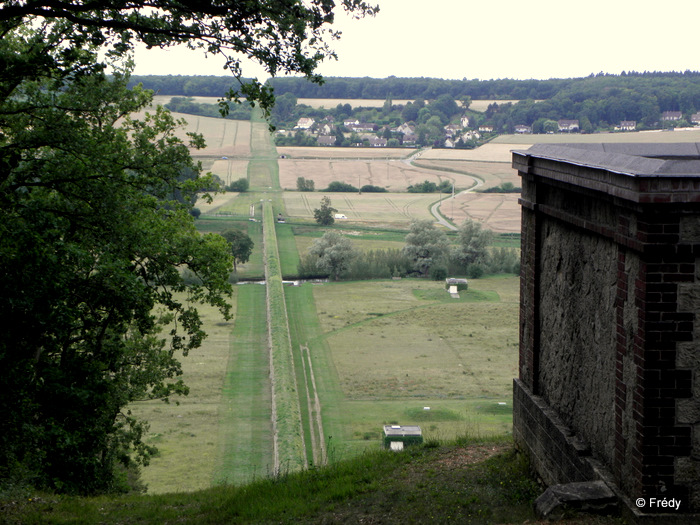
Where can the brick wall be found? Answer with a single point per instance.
(609, 335)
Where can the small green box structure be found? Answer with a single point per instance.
(402, 436)
(461, 284)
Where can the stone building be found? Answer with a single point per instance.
(609, 385)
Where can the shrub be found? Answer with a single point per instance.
(239, 185)
(438, 273)
(369, 188)
(337, 186)
(474, 271)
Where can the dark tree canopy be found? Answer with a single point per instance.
(241, 246)
(96, 230)
(325, 215)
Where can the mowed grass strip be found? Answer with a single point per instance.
(245, 426)
(290, 451)
(303, 325)
(306, 329)
(289, 256)
(186, 433)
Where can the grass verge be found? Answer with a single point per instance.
(245, 429)
(468, 481)
(287, 428)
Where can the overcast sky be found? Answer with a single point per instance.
(490, 39)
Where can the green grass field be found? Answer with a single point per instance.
(253, 269)
(245, 428)
(387, 349)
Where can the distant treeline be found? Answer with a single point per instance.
(598, 102)
(673, 89)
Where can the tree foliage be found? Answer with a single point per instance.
(304, 184)
(332, 253)
(426, 246)
(325, 215)
(473, 243)
(91, 240)
(95, 229)
(341, 187)
(241, 246)
(290, 36)
(240, 185)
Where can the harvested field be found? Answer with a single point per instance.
(223, 137)
(229, 169)
(491, 173)
(525, 141)
(499, 212)
(482, 105)
(396, 209)
(491, 152)
(344, 153)
(393, 175)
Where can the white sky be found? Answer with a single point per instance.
(487, 39)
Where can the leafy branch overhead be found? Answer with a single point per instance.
(290, 36)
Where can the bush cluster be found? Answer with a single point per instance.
(385, 264)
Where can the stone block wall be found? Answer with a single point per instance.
(609, 332)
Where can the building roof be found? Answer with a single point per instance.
(402, 430)
(640, 172)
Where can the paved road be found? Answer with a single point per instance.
(434, 208)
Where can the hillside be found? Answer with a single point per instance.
(469, 481)
(447, 113)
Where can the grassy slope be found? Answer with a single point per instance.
(476, 482)
(245, 432)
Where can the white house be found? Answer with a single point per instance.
(304, 123)
(568, 125)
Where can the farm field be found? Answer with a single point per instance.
(375, 209)
(308, 152)
(223, 137)
(329, 103)
(499, 212)
(490, 152)
(524, 141)
(365, 353)
(392, 175)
